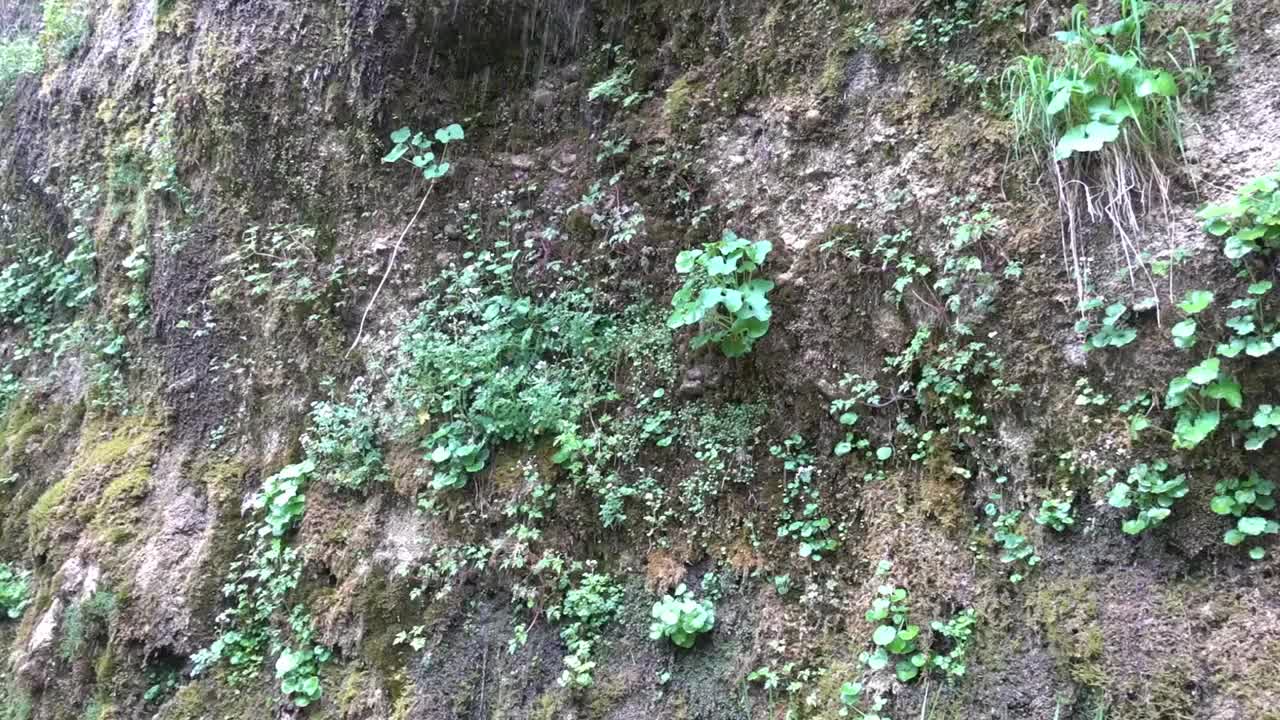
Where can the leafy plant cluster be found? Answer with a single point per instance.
(1055, 512)
(1102, 87)
(958, 632)
(15, 585)
(1149, 489)
(343, 441)
(1246, 499)
(298, 668)
(1249, 222)
(1016, 550)
(259, 582)
(485, 362)
(65, 28)
(800, 517)
(406, 141)
(587, 607)
(19, 55)
(722, 295)
(681, 618)
(895, 639)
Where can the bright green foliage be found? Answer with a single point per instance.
(298, 670)
(1112, 332)
(1056, 513)
(800, 517)
(88, 621)
(18, 56)
(959, 633)
(259, 581)
(1196, 301)
(722, 295)
(681, 618)
(894, 638)
(587, 608)
(1246, 499)
(343, 443)
(1015, 548)
(1101, 89)
(282, 499)
(433, 168)
(14, 586)
(851, 698)
(485, 363)
(1151, 492)
(1196, 397)
(65, 27)
(1250, 222)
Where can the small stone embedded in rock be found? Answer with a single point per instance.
(521, 162)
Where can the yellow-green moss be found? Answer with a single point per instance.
(679, 102)
(1067, 610)
(108, 477)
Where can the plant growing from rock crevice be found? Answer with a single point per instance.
(721, 294)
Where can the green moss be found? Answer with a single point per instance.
(109, 475)
(678, 106)
(1067, 610)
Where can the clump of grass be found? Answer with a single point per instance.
(1105, 117)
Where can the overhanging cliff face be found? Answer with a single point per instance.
(198, 222)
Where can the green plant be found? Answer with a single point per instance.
(65, 27)
(1250, 222)
(19, 55)
(279, 262)
(1014, 546)
(1246, 499)
(894, 638)
(87, 621)
(433, 168)
(485, 363)
(343, 442)
(1099, 112)
(587, 608)
(1151, 492)
(722, 295)
(1056, 513)
(851, 698)
(260, 581)
(1112, 332)
(959, 633)
(681, 619)
(1196, 396)
(298, 670)
(14, 586)
(282, 498)
(800, 516)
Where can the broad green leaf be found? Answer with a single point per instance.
(450, 133)
(1227, 390)
(1196, 301)
(1206, 372)
(1184, 333)
(884, 635)
(396, 153)
(686, 260)
(400, 136)
(1257, 553)
(1222, 505)
(1193, 427)
(1252, 526)
(1231, 349)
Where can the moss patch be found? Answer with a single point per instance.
(1067, 610)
